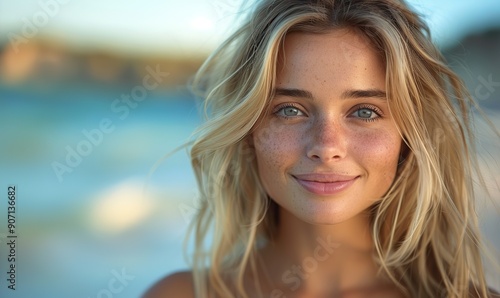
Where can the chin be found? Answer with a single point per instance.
(325, 216)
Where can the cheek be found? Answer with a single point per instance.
(277, 147)
(379, 153)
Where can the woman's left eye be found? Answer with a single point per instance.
(366, 114)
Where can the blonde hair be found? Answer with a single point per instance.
(425, 229)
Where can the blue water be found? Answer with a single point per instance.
(60, 251)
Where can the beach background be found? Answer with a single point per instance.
(93, 94)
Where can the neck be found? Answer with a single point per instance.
(338, 255)
(353, 234)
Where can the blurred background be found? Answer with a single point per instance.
(93, 95)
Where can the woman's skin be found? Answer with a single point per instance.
(330, 123)
(326, 152)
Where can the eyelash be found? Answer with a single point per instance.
(369, 107)
(283, 106)
(374, 109)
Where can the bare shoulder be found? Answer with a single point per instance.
(179, 284)
(493, 294)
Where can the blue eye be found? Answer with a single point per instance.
(289, 111)
(366, 113)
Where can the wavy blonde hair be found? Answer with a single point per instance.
(425, 229)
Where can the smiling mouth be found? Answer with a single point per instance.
(325, 184)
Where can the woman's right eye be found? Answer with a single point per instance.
(288, 111)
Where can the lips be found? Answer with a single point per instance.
(324, 184)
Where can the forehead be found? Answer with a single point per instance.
(335, 43)
(349, 38)
(338, 58)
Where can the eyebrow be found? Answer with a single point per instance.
(375, 93)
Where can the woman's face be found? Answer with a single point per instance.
(329, 147)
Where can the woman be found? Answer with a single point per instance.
(332, 162)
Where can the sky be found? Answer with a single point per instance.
(187, 26)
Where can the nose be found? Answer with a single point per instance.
(328, 141)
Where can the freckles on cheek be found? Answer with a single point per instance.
(276, 149)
